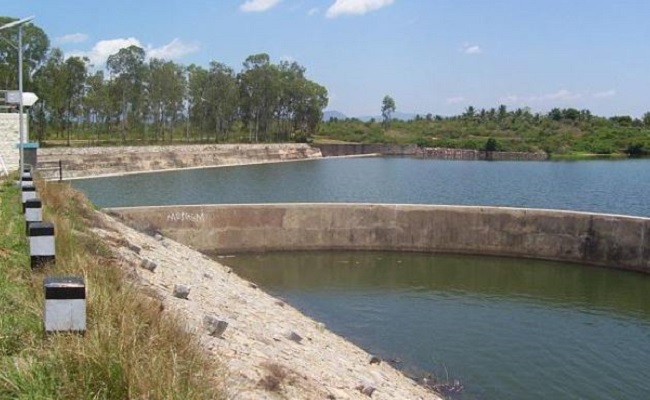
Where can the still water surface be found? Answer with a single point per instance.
(618, 187)
(508, 329)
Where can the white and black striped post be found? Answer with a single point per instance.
(41, 244)
(33, 212)
(27, 179)
(28, 191)
(65, 304)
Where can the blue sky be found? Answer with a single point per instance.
(436, 56)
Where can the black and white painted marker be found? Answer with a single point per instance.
(41, 244)
(65, 304)
(28, 192)
(33, 212)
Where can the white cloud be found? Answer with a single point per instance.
(510, 99)
(104, 48)
(607, 93)
(562, 95)
(355, 7)
(71, 38)
(313, 11)
(456, 100)
(258, 5)
(471, 49)
(172, 50)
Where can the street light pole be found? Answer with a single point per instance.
(21, 127)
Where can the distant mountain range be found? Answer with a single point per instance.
(327, 115)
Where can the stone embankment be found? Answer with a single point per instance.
(356, 149)
(464, 154)
(348, 149)
(269, 349)
(79, 162)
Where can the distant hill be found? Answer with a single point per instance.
(396, 115)
(327, 115)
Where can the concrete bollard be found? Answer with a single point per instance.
(41, 244)
(33, 212)
(28, 192)
(27, 179)
(65, 304)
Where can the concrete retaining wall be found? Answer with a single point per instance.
(465, 154)
(597, 239)
(98, 161)
(349, 149)
(333, 150)
(9, 138)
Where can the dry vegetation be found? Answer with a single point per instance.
(132, 348)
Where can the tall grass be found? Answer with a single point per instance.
(132, 348)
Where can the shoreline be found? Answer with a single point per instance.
(118, 174)
(263, 333)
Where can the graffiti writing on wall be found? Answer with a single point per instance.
(182, 216)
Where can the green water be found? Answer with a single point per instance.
(507, 328)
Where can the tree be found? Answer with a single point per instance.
(259, 91)
(75, 80)
(646, 119)
(197, 108)
(166, 85)
(50, 83)
(502, 113)
(555, 114)
(127, 72)
(35, 48)
(96, 102)
(387, 109)
(470, 113)
(221, 97)
(491, 145)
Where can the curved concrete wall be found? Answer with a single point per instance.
(597, 239)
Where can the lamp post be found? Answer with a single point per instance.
(21, 127)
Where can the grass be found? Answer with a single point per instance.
(132, 348)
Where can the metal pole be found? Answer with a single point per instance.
(20, 109)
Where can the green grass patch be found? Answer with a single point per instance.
(132, 348)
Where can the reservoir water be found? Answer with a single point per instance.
(507, 328)
(617, 187)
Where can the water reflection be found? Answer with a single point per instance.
(509, 328)
(492, 277)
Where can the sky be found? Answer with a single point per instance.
(431, 56)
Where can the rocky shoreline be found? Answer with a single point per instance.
(269, 349)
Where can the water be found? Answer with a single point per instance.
(618, 187)
(508, 329)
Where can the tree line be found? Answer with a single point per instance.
(560, 132)
(132, 97)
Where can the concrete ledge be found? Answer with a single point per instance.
(597, 239)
